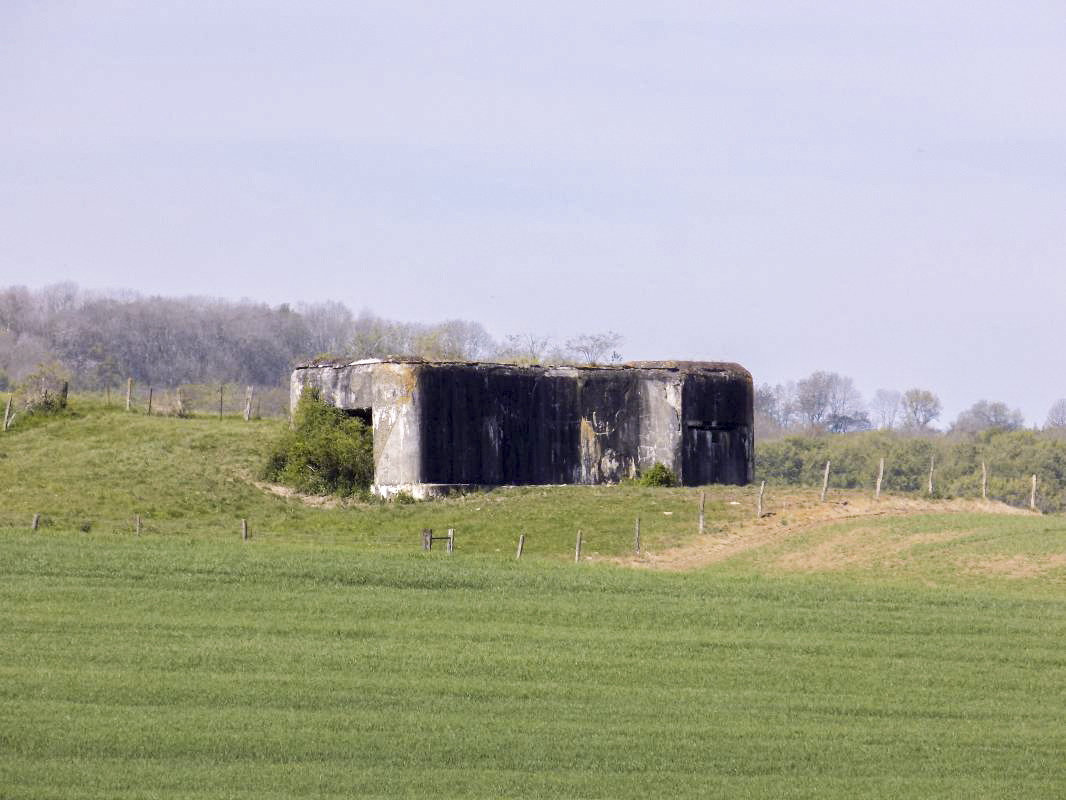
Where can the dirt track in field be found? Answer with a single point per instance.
(791, 514)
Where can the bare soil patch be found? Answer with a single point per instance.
(789, 514)
(1019, 566)
(859, 548)
(279, 490)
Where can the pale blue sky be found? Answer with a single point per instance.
(876, 189)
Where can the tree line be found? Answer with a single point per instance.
(956, 464)
(827, 402)
(99, 339)
(801, 425)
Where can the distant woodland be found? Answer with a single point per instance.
(100, 339)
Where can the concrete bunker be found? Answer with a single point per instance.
(443, 425)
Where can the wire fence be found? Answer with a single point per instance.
(201, 399)
(214, 528)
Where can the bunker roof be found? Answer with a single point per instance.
(684, 367)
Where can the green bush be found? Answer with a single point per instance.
(44, 391)
(403, 499)
(325, 452)
(658, 475)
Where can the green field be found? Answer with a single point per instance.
(919, 656)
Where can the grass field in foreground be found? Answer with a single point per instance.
(171, 667)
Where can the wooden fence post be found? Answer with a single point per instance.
(129, 393)
(180, 408)
(451, 540)
(1032, 496)
(137, 524)
(245, 535)
(427, 538)
(220, 387)
(825, 481)
(636, 537)
(7, 411)
(758, 501)
(577, 549)
(880, 476)
(703, 500)
(248, 403)
(149, 401)
(36, 522)
(984, 481)
(63, 392)
(932, 461)
(521, 544)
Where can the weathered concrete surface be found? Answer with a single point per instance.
(439, 425)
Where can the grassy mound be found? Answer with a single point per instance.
(195, 478)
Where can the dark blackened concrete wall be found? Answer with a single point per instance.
(440, 424)
(500, 425)
(717, 441)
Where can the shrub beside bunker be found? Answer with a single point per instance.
(326, 451)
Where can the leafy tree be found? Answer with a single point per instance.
(920, 407)
(986, 415)
(43, 391)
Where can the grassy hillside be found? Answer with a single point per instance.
(195, 478)
(829, 650)
(965, 551)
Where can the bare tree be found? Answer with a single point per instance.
(829, 400)
(16, 306)
(374, 337)
(594, 348)
(768, 401)
(812, 397)
(847, 411)
(329, 325)
(920, 407)
(775, 409)
(525, 348)
(886, 408)
(1056, 415)
(453, 340)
